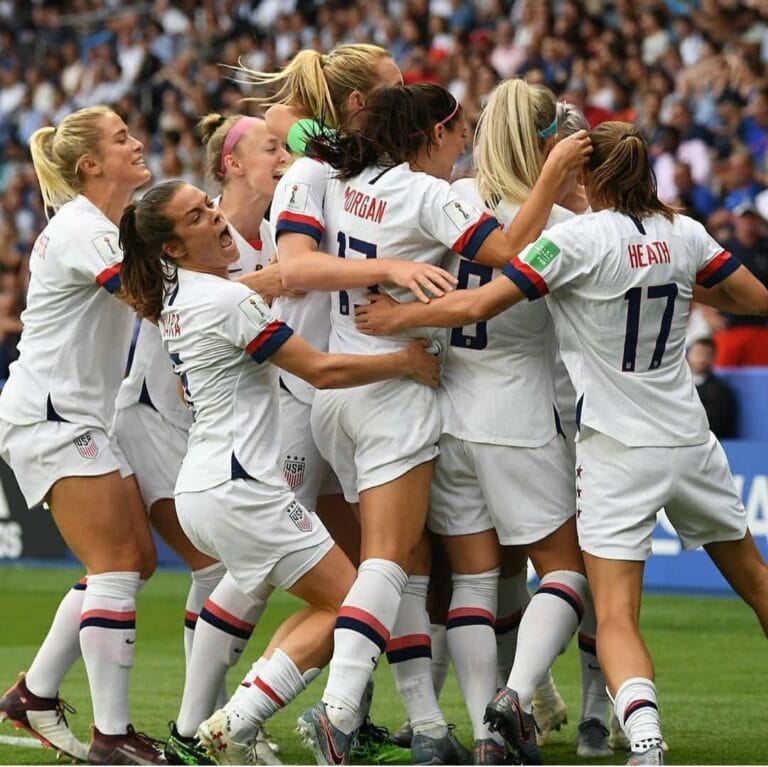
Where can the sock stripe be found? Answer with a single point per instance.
(355, 619)
(636, 705)
(587, 643)
(469, 616)
(409, 647)
(225, 621)
(566, 593)
(108, 619)
(268, 691)
(81, 585)
(190, 619)
(508, 623)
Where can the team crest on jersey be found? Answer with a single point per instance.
(542, 254)
(296, 196)
(107, 247)
(256, 310)
(293, 470)
(460, 213)
(86, 446)
(300, 517)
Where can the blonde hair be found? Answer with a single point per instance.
(57, 152)
(508, 152)
(621, 174)
(213, 130)
(319, 83)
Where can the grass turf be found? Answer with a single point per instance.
(709, 653)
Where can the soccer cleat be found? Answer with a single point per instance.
(373, 745)
(42, 717)
(653, 755)
(505, 716)
(617, 740)
(403, 736)
(445, 750)
(488, 751)
(129, 748)
(214, 735)
(550, 713)
(183, 749)
(261, 750)
(329, 744)
(592, 740)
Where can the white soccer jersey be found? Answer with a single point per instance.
(297, 207)
(220, 335)
(150, 379)
(395, 213)
(76, 336)
(497, 381)
(620, 295)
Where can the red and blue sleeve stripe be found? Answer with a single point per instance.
(723, 265)
(110, 278)
(269, 340)
(526, 278)
(470, 241)
(298, 224)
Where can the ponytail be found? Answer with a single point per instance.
(147, 275)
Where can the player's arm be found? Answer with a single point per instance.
(384, 316)
(739, 293)
(567, 157)
(268, 283)
(334, 371)
(306, 268)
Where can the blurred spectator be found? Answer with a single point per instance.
(695, 199)
(744, 340)
(717, 397)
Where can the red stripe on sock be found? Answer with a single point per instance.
(227, 617)
(410, 640)
(347, 611)
(567, 589)
(113, 615)
(464, 612)
(268, 691)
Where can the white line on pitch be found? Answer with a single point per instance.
(14, 740)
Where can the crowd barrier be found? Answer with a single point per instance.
(30, 533)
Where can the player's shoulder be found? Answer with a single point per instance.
(306, 169)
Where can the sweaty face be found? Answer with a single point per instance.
(204, 241)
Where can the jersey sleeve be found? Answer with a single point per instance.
(713, 262)
(250, 325)
(545, 265)
(97, 258)
(458, 224)
(298, 200)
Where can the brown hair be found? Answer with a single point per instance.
(621, 175)
(147, 275)
(213, 130)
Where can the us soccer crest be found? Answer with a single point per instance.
(300, 517)
(86, 446)
(293, 470)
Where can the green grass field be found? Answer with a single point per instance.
(710, 658)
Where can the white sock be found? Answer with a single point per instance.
(638, 713)
(472, 643)
(361, 635)
(364, 709)
(61, 646)
(204, 581)
(547, 627)
(410, 658)
(250, 677)
(512, 601)
(441, 660)
(276, 685)
(223, 629)
(107, 641)
(594, 698)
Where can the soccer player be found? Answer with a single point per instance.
(55, 415)
(152, 425)
(620, 282)
(231, 497)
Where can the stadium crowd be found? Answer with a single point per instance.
(690, 74)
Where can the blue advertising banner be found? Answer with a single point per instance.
(672, 569)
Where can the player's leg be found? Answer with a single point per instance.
(512, 601)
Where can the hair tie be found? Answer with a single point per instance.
(451, 114)
(628, 135)
(234, 134)
(549, 131)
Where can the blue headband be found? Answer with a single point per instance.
(549, 131)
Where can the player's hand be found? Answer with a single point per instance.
(268, 283)
(423, 280)
(421, 365)
(377, 318)
(570, 154)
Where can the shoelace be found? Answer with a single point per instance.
(146, 740)
(371, 732)
(61, 707)
(595, 733)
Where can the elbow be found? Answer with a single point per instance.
(290, 274)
